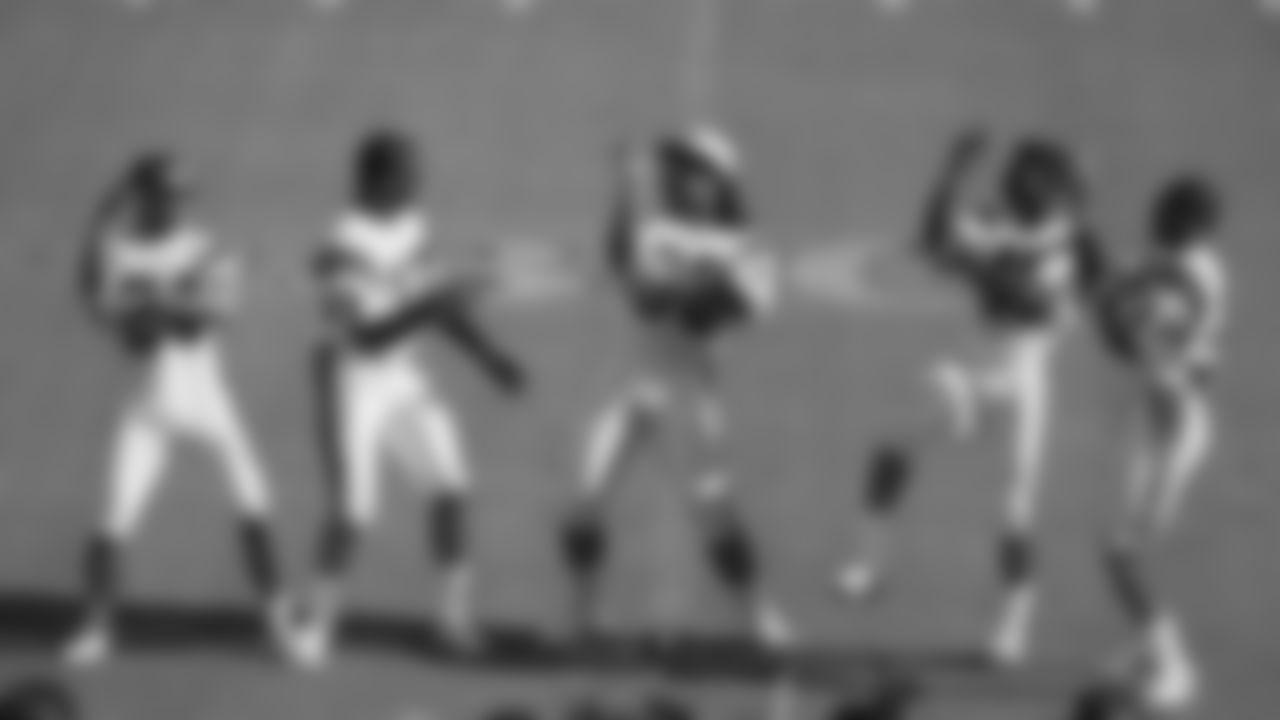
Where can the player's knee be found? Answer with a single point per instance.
(448, 521)
(1022, 504)
(889, 478)
(357, 513)
(252, 498)
(1016, 557)
(357, 502)
(119, 526)
(448, 461)
(124, 516)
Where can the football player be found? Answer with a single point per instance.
(680, 253)
(164, 286)
(1030, 264)
(383, 284)
(1164, 320)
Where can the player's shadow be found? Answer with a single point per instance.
(36, 622)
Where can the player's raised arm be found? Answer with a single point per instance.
(118, 201)
(941, 224)
(88, 277)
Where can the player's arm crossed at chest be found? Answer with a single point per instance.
(151, 275)
(690, 226)
(375, 276)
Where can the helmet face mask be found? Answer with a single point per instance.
(385, 171)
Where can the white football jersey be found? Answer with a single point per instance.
(668, 251)
(170, 268)
(1030, 275)
(382, 262)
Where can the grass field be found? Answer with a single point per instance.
(843, 110)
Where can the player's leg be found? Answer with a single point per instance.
(223, 429)
(1161, 658)
(1123, 557)
(1170, 679)
(888, 480)
(617, 437)
(1189, 442)
(733, 553)
(957, 385)
(140, 455)
(1028, 393)
(1175, 680)
(585, 549)
(438, 452)
(353, 422)
(620, 434)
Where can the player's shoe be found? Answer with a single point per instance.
(311, 642)
(280, 626)
(457, 617)
(1010, 643)
(1172, 683)
(311, 645)
(773, 629)
(91, 647)
(860, 580)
